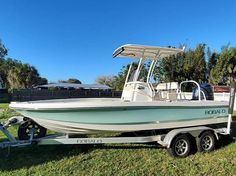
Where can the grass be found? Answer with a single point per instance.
(114, 159)
(6, 112)
(4, 105)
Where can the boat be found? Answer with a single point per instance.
(142, 106)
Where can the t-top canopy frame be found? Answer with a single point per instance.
(145, 52)
(141, 52)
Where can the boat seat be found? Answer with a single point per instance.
(166, 91)
(167, 86)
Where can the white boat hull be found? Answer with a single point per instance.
(77, 128)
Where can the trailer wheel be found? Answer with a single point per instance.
(25, 129)
(206, 142)
(180, 146)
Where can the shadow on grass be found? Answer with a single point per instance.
(29, 156)
(25, 157)
(152, 145)
(226, 140)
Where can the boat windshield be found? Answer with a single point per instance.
(142, 75)
(138, 71)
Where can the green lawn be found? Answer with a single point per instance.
(6, 112)
(4, 105)
(125, 159)
(114, 159)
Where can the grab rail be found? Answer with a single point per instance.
(199, 92)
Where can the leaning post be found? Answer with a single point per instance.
(231, 105)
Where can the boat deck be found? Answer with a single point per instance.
(109, 102)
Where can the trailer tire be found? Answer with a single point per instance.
(206, 142)
(24, 130)
(180, 146)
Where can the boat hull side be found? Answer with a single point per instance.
(77, 128)
(126, 119)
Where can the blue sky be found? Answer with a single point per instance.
(75, 38)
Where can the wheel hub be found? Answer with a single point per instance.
(181, 147)
(207, 143)
(29, 128)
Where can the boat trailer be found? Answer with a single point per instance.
(177, 141)
(165, 140)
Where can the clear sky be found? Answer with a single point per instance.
(75, 38)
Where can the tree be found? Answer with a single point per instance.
(224, 71)
(120, 81)
(170, 69)
(231, 73)
(3, 50)
(121, 77)
(190, 65)
(70, 80)
(15, 74)
(74, 80)
(1, 82)
(212, 60)
(14, 78)
(3, 54)
(107, 80)
(31, 75)
(199, 64)
(42, 81)
(22, 75)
